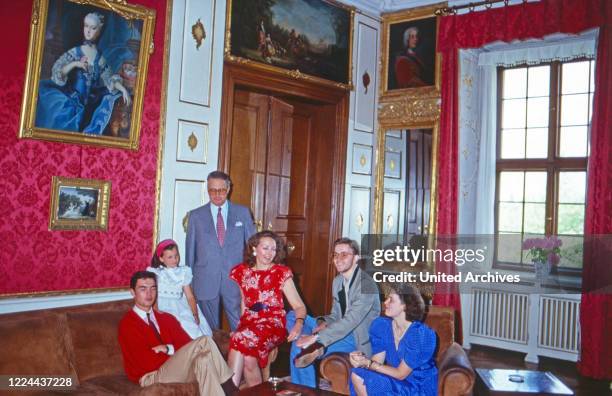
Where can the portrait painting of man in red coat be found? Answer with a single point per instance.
(412, 54)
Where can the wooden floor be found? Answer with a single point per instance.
(486, 357)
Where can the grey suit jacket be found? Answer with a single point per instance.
(362, 309)
(207, 259)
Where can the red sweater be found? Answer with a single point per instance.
(136, 339)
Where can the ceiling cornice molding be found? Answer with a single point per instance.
(368, 7)
(376, 7)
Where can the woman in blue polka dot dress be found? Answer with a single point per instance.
(403, 351)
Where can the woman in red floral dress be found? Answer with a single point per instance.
(262, 281)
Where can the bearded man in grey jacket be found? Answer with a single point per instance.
(356, 303)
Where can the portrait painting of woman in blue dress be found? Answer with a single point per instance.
(90, 86)
(403, 351)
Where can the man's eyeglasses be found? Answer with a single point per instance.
(342, 255)
(217, 191)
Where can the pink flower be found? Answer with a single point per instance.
(528, 244)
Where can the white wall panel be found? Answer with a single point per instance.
(362, 159)
(193, 106)
(196, 57)
(188, 194)
(360, 164)
(359, 212)
(391, 211)
(192, 142)
(365, 95)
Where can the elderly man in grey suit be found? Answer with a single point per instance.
(216, 238)
(356, 304)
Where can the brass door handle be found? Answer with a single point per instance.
(259, 225)
(290, 247)
(270, 226)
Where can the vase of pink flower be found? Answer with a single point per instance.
(545, 254)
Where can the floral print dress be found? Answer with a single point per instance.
(262, 325)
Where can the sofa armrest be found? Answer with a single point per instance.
(455, 373)
(335, 368)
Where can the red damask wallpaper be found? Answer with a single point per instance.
(33, 259)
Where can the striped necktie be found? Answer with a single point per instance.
(220, 228)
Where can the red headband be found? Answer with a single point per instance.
(163, 245)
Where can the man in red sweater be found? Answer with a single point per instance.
(156, 349)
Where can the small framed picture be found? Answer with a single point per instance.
(393, 164)
(79, 204)
(410, 61)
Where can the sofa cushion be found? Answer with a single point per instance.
(35, 344)
(118, 384)
(94, 339)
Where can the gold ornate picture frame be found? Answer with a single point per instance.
(410, 62)
(79, 204)
(86, 71)
(282, 38)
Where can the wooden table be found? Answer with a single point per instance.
(265, 389)
(496, 382)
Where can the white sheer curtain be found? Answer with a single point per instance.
(478, 116)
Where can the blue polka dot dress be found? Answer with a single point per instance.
(416, 348)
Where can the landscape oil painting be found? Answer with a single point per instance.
(309, 36)
(79, 204)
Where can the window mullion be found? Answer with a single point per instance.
(553, 148)
(554, 106)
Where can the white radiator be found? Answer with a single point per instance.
(518, 320)
(559, 324)
(499, 315)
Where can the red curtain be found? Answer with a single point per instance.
(519, 22)
(596, 305)
(446, 293)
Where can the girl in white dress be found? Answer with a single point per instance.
(174, 294)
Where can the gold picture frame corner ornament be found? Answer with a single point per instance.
(79, 204)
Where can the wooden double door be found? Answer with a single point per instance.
(280, 159)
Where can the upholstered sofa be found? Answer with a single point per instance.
(80, 342)
(456, 376)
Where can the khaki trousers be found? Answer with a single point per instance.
(200, 361)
